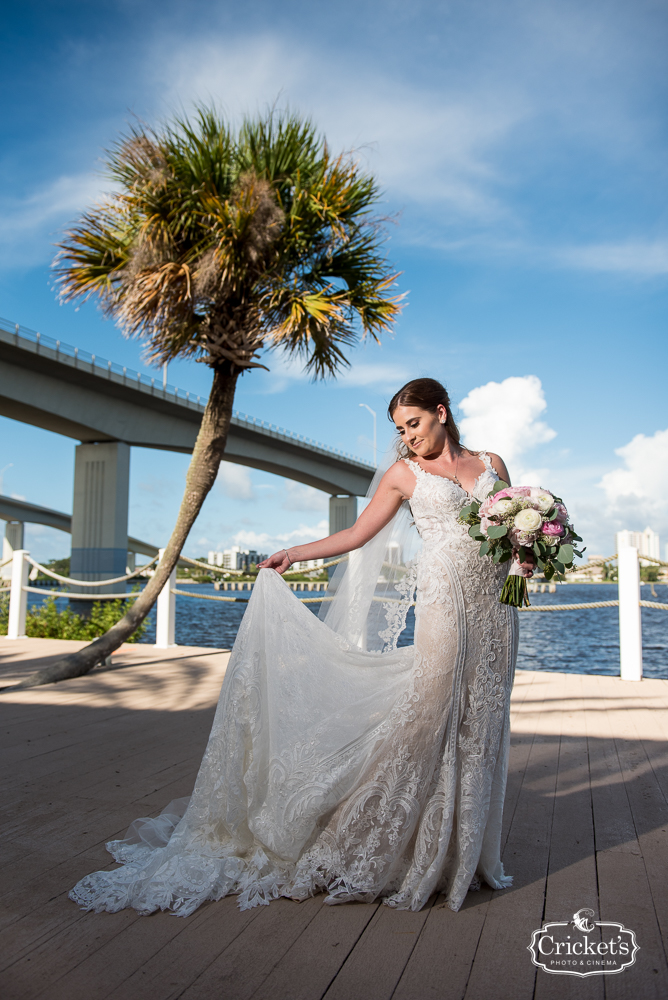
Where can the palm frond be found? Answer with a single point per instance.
(220, 243)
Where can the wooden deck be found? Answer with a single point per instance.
(586, 825)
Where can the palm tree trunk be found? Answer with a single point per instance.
(207, 454)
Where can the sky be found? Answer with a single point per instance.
(520, 146)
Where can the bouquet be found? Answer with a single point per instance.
(513, 521)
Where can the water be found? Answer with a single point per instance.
(585, 641)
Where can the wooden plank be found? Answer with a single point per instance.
(440, 963)
(116, 962)
(502, 965)
(376, 964)
(572, 876)
(59, 952)
(241, 969)
(191, 953)
(312, 962)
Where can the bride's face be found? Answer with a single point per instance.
(423, 432)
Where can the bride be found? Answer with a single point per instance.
(339, 762)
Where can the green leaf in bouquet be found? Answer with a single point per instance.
(566, 554)
(548, 571)
(498, 553)
(559, 566)
(537, 550)
(484, 548)
(554, 515)
(475, 532)
(497, 531)
(540, 563)
(465, 511)
(499, 485)
(506, 555)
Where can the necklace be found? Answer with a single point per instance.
(455, 479)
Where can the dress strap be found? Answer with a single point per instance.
(486, 461)
(415, 466)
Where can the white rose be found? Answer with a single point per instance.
(528, 520)
(501, 507)
(542, 498)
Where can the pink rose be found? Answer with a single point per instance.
(513, 492)
(553, 528)
(562, 513)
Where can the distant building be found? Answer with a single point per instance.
(647, 542)
(307, 564)
(236, 558)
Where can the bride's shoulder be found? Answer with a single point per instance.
(398, 474)
(494, 463)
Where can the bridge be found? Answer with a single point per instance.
(110, 408)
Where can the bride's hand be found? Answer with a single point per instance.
(279, 561)
(528, 566)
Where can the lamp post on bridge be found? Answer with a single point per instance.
(373, 414)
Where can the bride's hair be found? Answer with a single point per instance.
(426, 394)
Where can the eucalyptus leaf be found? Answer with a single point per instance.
(566, 554)
(484, 548)
(475, 532)
(497, 531)
(499, 485)
(505, 556)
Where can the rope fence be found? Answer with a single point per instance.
(83, 597)
(628, 602)
(90, 583)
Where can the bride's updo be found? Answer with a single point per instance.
(426, 394)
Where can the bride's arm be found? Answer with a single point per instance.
(499, 467)
(383, 506)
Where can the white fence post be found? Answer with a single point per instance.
(630, 622)
(165, 611)
(18, 598)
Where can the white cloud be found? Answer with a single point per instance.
(24, 221)
(265, 542)
(502, 417)
(303, 497)
(235, 481)
(636, 493)
(427, 145)
(642, 258)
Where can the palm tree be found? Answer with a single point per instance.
(216, 245)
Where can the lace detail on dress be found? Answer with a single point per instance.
(329, 768)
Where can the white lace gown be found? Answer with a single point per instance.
(328, 768)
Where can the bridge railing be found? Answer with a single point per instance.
(629, 601)
(58, 350)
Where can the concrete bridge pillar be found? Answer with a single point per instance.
(100, 513)
(342, 513)
(12, 542)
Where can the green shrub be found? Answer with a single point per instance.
(46, 622)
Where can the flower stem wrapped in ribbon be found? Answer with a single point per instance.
(517, 522)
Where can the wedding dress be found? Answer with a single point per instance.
(333, 768)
